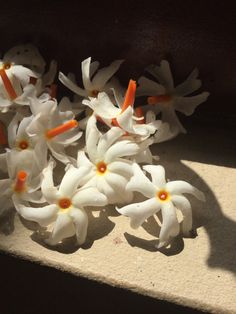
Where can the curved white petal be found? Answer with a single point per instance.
(93, 67)
(190, 85)
(63, 228)
(157, 173)
(89, 197)
(139, 212)
(44, 216)
(121, 149)
(58, 151)
(80, 221)
(49, 191)
(148, 87)
(92, 137)
(170, 224)
(140, 183)
(85, 67)
(34, 197)
(104, 74)
(107, 139)
(187, 105)
(106, 189)
(71, 180)
(72, 86)
(179, 187)
(183, 204)
(121, 167)
(82, 160)
(169, 116)
(102, 106)
(12, 129)
(125, 120)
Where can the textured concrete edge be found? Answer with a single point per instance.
(172, 298)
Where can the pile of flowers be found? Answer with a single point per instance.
(101, 136)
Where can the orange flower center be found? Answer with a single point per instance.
(163, 195)
(94, 93)
(20, 181)
(23, 144)
(6, 66)
(153, 100)
(64, 203)
(101, 167)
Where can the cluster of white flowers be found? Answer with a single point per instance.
(100, 137)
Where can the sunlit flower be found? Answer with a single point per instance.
(94, 80)
(165, 98)
(23, 183)
(109, 170)
(163, 196)
(56, 128)
(66, 205)
(13, 79)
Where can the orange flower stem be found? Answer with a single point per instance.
(62, 128)
(129, 96)
(20, 181)
(7, 84)
(153, 100)
(53, 90)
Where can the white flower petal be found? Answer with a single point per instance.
(106, 189)
(169, 116)
(187, 105)
(183, 204)
(148, 87)
(123, 168)
(49, 191)
(170, 224)
(71, 180)
(85, 67)
(44, 216)
(12, 129)
(179, 187)
(125, 120)
(140, 183)
(58, 151)
(63, 228)
(22, 127)
(80, 221)
(139, 212)
(107, 139)
(102, 106)
(89, 197)
(157, 173)
(121, 149)
(34, 197)
(93, 68)
(92, 137)
(103, 75)
(82, 160)
(72, 86)
(190, 85)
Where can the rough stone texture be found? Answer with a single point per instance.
(197, 272)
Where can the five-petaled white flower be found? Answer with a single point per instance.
(109, 170)
(167, 99)
(23, 183)
(162, 196)
(66, 205)
(99, 82)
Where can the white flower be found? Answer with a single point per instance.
(121, 115)
(167, 99)
(14, 85)
(23, 182)
(109, 170)
(99, 82)
(56, 128)
(66, 205)
(161, 196)
(26, 55)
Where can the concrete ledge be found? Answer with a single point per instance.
(198, 272)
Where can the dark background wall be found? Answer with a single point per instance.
(187, 33)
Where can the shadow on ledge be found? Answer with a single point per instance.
(33, 289)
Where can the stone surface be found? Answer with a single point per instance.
(197, 272)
